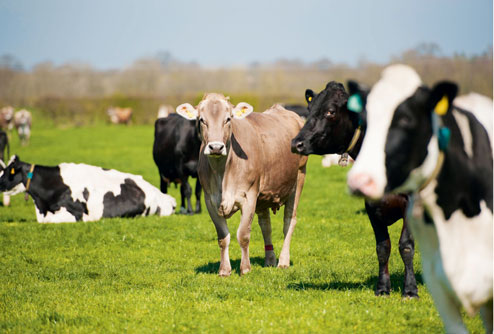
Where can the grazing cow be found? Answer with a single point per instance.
(245, 163)
(165, 110)
(6, 118)
(79, 192)
(22, 122)
(176, 153)
(332, 128)
(419, 142)
(120, 115)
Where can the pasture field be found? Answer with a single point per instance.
(152, 275)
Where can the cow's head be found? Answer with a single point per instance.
(330, 125)
(11, 176)
(400, 148)
(214, 115)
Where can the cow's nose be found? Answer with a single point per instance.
(216, 148)
(297, 146)
(363, 185)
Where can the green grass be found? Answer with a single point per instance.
(160, 274)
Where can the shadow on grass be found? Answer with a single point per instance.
(214, 267)
(370, 283)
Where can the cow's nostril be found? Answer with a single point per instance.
(300, 145)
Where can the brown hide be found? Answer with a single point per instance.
(259, 158)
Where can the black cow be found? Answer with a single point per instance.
(420, 142)
(332, 128)
(176, 153)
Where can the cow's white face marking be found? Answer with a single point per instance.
(398, 82)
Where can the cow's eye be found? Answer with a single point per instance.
(227, 120)
(202, 121)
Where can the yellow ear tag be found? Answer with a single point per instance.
(242, 111)
(12, 171)
(442, 106)
(310, 98)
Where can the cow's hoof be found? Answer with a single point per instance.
(224, 272)
(283, 265)
(244, 271)
(382, 293)
(270, 259)
(182, 211)
(410, 295)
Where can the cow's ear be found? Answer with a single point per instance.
(309, 95)
(187, 111)
(242, 110)
(442, 96)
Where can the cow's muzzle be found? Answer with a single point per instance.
(215, 148)
(299, 147)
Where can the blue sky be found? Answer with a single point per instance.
(112, 33)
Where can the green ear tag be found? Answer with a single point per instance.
(443, 138)
(355, 103)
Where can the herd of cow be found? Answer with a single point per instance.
(422, 154)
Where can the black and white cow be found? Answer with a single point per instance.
(332, 128)
(176, 153)
(78, 192)
(418, 141)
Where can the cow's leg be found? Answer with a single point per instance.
(188, 195)
(383, 249)
(290, 219)
(486, 313)
(163, 184)
(185, 194)
(223, 237)
(243, 233)
(198, 196)
(265, 224)
(407, 251)
(6, 200)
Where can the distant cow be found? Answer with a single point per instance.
(23, 122)
(165, 110)
(332, 128)
(419, 142)
(120, 115)
(7, 118)
(246, 164)
(79, 192)
(176, 153)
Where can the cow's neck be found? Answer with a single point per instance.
(41, 175)
(356, 148)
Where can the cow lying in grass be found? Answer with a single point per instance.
(418, 141)
(245, 164)
(79, 192)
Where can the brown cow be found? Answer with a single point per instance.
(245, 163)
(119, 115)
(6, 118)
